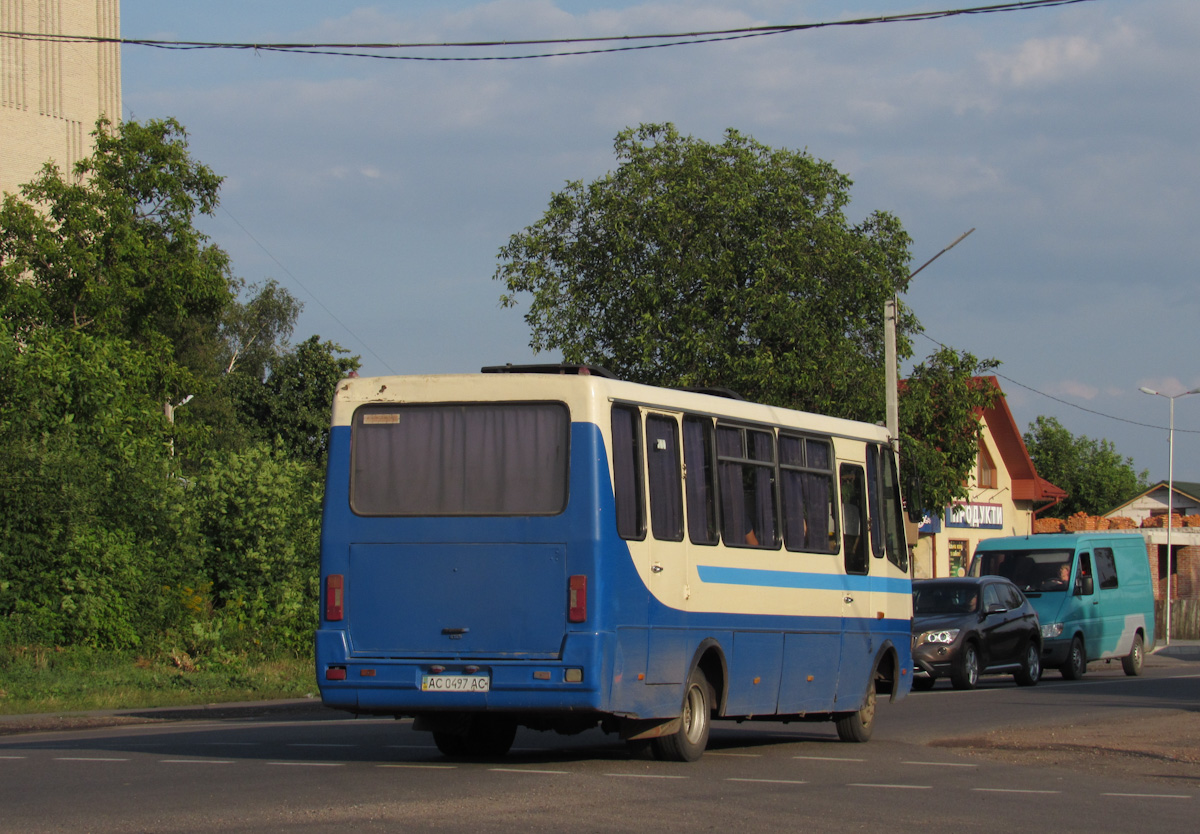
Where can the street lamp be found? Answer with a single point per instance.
(1170, 494)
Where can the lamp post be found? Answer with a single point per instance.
(1170, 495)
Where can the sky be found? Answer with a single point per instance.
(379, 192)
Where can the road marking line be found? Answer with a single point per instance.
(86, 759)
(12, 757)
(769, 781)
(422, 766)
(195, 761)
(528, 770)
(941, 764)
(897, 787)
(825, 759)
(645, 776)
(316, 744)
(1150, 795)
(1011, 790)
(308, 764)
(735, 755)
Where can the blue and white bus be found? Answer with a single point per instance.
(550, 547)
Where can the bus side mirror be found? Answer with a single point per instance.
(1085, 587)
(915, 505)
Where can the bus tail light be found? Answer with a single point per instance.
(333, 596)
(577, 598)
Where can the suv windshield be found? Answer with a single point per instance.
(1030, 570)
(946, 599)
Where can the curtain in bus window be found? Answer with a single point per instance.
(697, 456)
(662, 464)
(486, 459)
(734, 523)
(874, 501)
(818, 486)
(893, 510)
(806, 494)
(763, 449)
(627, 473)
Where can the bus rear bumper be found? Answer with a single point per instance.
(410, 686)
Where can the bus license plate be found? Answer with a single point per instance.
(456, 683)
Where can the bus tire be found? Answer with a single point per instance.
(688, 742)
(486, 737)
(857, 726)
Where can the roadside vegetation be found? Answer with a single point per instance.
(49, 680)
(162, 444)
(162, 441)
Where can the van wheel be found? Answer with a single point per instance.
(1076, 663)
(1031, 665)
(1132, 662)
(857, 726)
(688, 742)
(965, 673)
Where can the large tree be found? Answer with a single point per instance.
(729, 264)
(1095, 477)
(734, 265)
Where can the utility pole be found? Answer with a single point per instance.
(891, 375)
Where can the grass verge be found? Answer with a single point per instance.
(48, 680)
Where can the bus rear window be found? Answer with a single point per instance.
(480, 459)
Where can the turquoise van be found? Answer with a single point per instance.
(1092, 592)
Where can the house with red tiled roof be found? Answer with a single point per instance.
(1005, 495)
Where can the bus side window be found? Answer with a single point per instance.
(700, 479)
(874, 501)
(627, 473)
(662, 463)
(746, 467)
(806, 494)
(854, 533)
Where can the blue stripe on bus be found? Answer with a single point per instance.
(795, 579)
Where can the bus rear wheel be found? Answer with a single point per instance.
(857, 726)
(486, 737)
(688, 742)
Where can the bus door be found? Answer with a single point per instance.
(669, 566)
(858, 649)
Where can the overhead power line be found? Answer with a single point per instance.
(1068, 402)
(628, 42)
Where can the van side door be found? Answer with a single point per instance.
(1087, 607)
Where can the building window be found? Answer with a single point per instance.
(985, 471)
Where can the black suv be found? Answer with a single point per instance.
(971, 626)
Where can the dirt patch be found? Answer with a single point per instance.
(1159, 745)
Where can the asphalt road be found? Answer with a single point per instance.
(296, 767)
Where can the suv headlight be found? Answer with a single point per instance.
(945, 635)
(1052, 630)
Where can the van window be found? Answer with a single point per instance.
(1033, 571)
(1106, 568)
(1085, 569)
